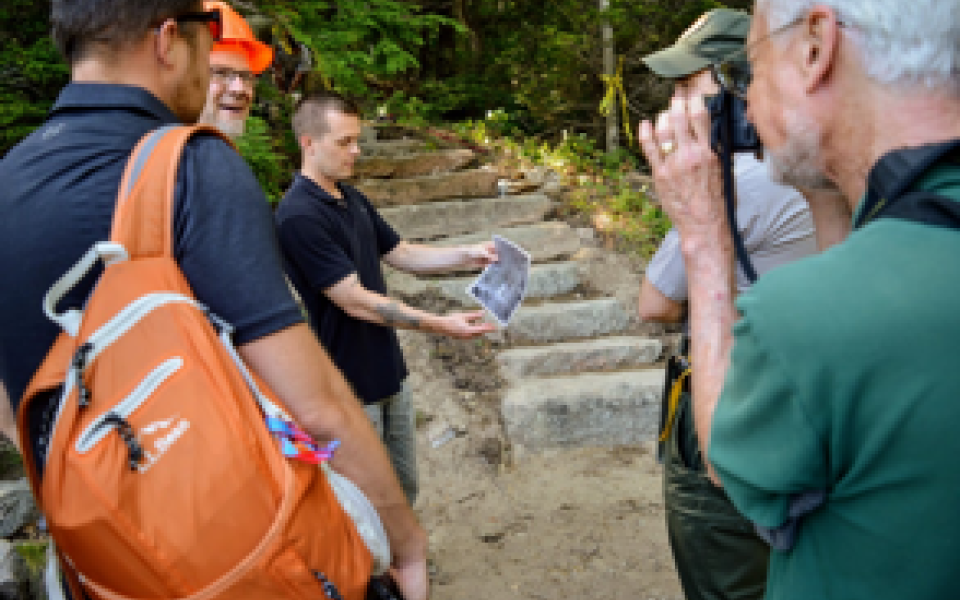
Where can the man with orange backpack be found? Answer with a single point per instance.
(235, 62)
(137, 67)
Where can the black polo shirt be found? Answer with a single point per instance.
(324, 240)
(57, 193)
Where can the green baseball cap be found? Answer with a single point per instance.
(713, 37)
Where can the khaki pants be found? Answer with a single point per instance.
(395, 420)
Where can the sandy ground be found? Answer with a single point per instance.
(578, 523)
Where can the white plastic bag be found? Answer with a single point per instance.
(364, 516)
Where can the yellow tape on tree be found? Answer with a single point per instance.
(280, 36)
(614, 85)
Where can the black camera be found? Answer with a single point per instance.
(728, 121)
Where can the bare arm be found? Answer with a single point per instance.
(294, 365)
(366, 305)
(712, 316)
(688, 183)
(417, 258)
(656, 307)
(831, 216)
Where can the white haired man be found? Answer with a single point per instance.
(828, 414)
(776, 226)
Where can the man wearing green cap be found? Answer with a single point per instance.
(717, 552)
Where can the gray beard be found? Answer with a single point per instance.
(233, 129)
(795, 163)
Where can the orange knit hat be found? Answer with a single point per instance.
(238, 35)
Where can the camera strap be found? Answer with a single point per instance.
(730, 191)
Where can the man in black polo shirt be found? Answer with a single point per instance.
(136, 67)
(333, 240)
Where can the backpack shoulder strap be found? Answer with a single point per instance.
(143, 217)
(143, 223)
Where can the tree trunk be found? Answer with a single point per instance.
(609, 69)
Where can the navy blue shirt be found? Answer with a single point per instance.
(57, 193)
(324, 240)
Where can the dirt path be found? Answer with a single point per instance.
(574, 523)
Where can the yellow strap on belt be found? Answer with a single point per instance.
(672, 404)
(615, 87)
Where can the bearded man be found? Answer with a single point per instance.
(825, 398)
(235, 62)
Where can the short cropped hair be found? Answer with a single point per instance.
(915, 43)
(310, 116)
(78, 23)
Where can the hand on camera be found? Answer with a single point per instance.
(686, 172)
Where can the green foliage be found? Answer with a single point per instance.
(271, 167)
(34, 554)
(545, 60)
(424, 61)
(410, 110)
(359, 45)
(31, 70)
(268, 144)
(604, 191)
(11, 462)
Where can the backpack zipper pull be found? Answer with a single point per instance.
(80, 363)
(84, 396)
(129, 437)
(329, 589)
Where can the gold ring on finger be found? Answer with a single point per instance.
(667, 147)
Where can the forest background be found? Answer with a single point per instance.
(522, 70)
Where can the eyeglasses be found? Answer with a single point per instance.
(212, 18)
(734, 74)
(226, 75)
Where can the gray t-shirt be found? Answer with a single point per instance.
(774, 221)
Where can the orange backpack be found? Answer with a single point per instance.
(161, 478)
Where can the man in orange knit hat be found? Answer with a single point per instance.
(235, 62)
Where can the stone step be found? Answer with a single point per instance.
(604, 354)
(413, 165)
(392, 147)
(567, 321)
(436, 219)
(602, 409)
(17, 506)
(473, 183)
(546, 280)
(551, 240)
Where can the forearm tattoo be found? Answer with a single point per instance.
(394, 316)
